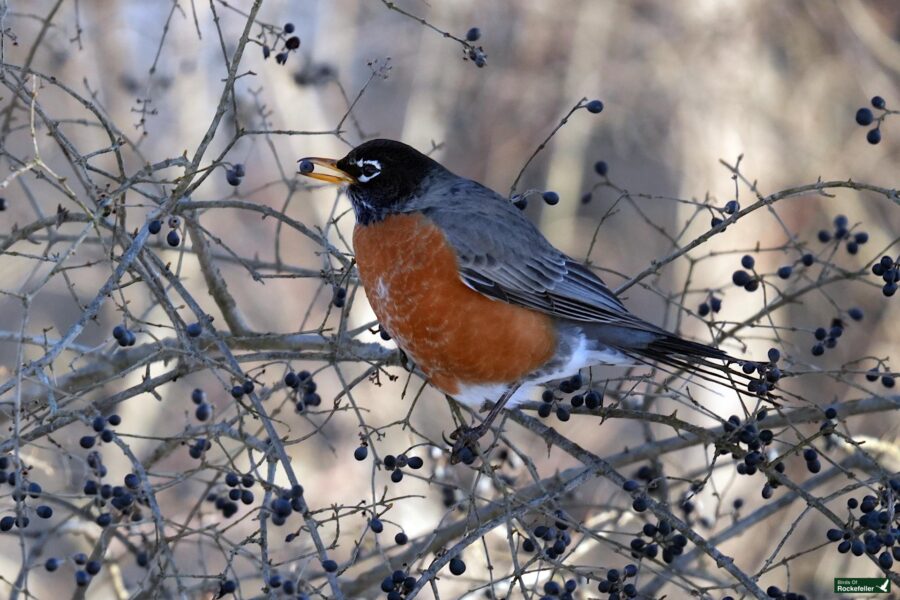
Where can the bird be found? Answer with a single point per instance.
(477, 297)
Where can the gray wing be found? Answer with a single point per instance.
(503, 255)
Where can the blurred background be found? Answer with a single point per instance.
(685, 85)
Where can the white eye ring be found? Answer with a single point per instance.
(373, 163)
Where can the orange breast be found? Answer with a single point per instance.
(456, 335)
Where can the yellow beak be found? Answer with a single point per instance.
(306, 167)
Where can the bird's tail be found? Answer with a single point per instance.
(652, 345)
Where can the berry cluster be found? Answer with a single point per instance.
(601, 168)
(235, 174)
(616, 584)
(199, 447)
(661, 535)
(305, 387)
(99, 425)
(767, 374)
(397, 585)
(239, 390)
(711, 304)
(741, 278)
(813, 464)
(887, 380)
(773, 591)
(396, 464)
(124, 336)
(750, 280)
(278, 583)
(731, 207)
(227, 507)
(827, 338)
(172, 238)
(875, 529)
(554, 537)
(22, 491)
(564, 591)
(126, 499)
(865, 117)
(85, 569)
(291, 43)
(753, 456)
(843, 232)
(592, 399)
(239, 487)
(287, 502)
(889, 270)
(204, 408)
(475, 53)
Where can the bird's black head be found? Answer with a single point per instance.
(383, 175)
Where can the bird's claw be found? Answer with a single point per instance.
(464, 446)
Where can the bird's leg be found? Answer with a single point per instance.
(466, 438)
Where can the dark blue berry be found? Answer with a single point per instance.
(155, 226)
(203, 412)
(864, 116)
(594, 106)
(194, 330)
(457, 566)
(747, 261)
(878, 102)
(473, 34)
(741, 278)
(82, 578)
(172, 238)
(198, 396)
(551, 198)
(732, 207)
(873, 136)
(361, 453)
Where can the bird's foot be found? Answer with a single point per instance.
(465, 444)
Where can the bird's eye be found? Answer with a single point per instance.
(369, 169)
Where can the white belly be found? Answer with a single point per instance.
(476, 395)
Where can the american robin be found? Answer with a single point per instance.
(473, 292)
